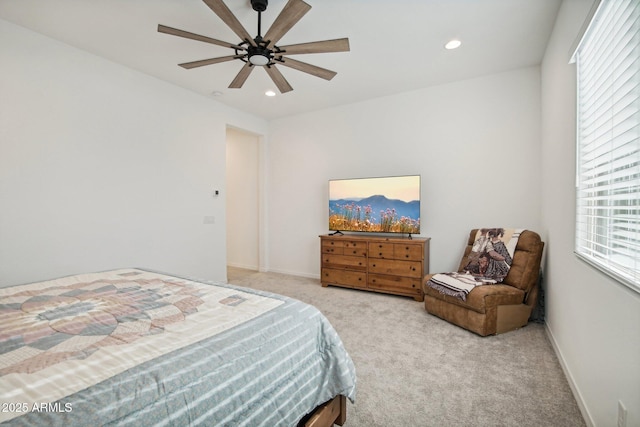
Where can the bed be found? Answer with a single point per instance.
(144, 348)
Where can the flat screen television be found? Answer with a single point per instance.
(377, 205)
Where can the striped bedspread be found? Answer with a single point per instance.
(132, 347)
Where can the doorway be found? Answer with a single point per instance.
(243, 199)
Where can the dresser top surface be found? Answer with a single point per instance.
(389, 239)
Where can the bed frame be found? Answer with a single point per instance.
(327, 414)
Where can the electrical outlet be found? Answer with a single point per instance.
(622, 415)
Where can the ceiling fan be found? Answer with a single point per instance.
(262, 51)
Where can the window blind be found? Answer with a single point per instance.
(608, 141)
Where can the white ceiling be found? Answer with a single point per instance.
(396, 45)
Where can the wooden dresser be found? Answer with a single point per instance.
(392, 265)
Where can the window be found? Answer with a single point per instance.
(608, 141)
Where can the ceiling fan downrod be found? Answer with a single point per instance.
(259, 54)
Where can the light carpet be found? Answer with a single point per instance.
(414, 369)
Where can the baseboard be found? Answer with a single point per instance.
(572, 384)
(274, 270)
(244, 267)
(294, 273)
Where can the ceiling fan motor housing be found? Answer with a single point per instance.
(259, 5)
(259, 55)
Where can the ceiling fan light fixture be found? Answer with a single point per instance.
(258, 55)
(259, 59)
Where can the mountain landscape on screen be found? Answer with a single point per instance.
(376, 214)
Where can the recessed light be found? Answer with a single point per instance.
(453, 44)
(270, 93)
(216, 93)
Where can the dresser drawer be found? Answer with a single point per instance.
(332, 247)
(395, 284)
(355, 279)
(344, 261)
(346, 247)
(407, 251)
(355, 248)
(403, 251)
(396, 267)
(381, 250)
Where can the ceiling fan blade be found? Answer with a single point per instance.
(277, 77)
(223, 12)
(325, 46)
(323, 73)
(192, 36)
(292, 12)
(203, 62)
(242, 76)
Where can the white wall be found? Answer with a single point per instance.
(593, 321)
(102, 167)
(476, 144)
(243, 199)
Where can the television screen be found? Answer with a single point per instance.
(377, 205)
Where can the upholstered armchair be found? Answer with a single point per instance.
(494, 308)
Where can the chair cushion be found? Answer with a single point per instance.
(481, 298)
